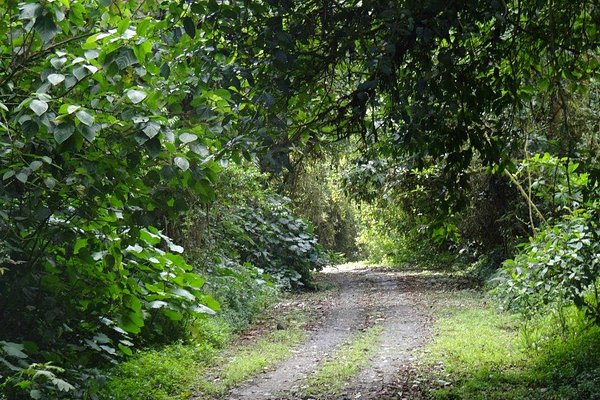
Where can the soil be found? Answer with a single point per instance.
(363, 297)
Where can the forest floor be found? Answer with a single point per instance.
(364, 334)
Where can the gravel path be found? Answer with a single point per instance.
(364, 297)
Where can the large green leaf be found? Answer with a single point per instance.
(182, 163)
(136, 96)
(189, 26)
(63, 131)
(56, 79)
(85, 118)
(45, 27)
(38, 106)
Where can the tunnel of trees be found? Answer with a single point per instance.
(162, 161)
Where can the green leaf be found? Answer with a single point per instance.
(125, 350)
(38, 106)
(45, 27)
(187, 137)
(154, 147)
(123, 25)
(63, 131)
(202, 309)
(91, 54)
(200, 149)
(30, 10)
(143, 26)
(30, 128)
(149, 237)
(79, 244)
(172, 314)
(131, 323)
(89, 132)
(182, 163)
(133, 303)
(22, 176)
(158, 304)
(211, 302)
(193, 280)
(222, 93)
(85, 118)
(125, 58)
(151, 129)
(35, 165)
(80, 72)
(62, 386)
(175, 248)
(140, 50)
(136, 96)
(50, 182)
(165, 71)
(184, 293)
(58, 62)
(55, 79)
(189, 26)
(13, 349)
(68, 109)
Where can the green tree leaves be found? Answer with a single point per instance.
(93, 97)
(38, 106)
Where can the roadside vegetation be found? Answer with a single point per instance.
(206, 371)
(479, 352)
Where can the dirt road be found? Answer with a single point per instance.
(364, 297)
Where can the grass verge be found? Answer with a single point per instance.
(242, 362)
(479, 353)
(205, 371)
(330, 378)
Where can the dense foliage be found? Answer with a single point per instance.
(252, 223)
(115, 118)
(560, 264)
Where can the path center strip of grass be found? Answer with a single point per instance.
(330, 378)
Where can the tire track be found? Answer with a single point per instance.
(365, 297)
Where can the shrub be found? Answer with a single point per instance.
(560, 265)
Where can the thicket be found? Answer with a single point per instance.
(116, 120)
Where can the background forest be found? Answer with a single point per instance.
(167, 167)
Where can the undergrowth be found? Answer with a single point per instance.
(204, 368)
(480, 353)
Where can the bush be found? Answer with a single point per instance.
(560, 265)
(252, 225)
(242, 291)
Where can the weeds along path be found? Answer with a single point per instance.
(364, 297)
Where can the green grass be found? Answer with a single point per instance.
(168, 373)
(241, 363)
(330, 378)
(182, 371)
(485, 354)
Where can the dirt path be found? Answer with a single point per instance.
(364, 297)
